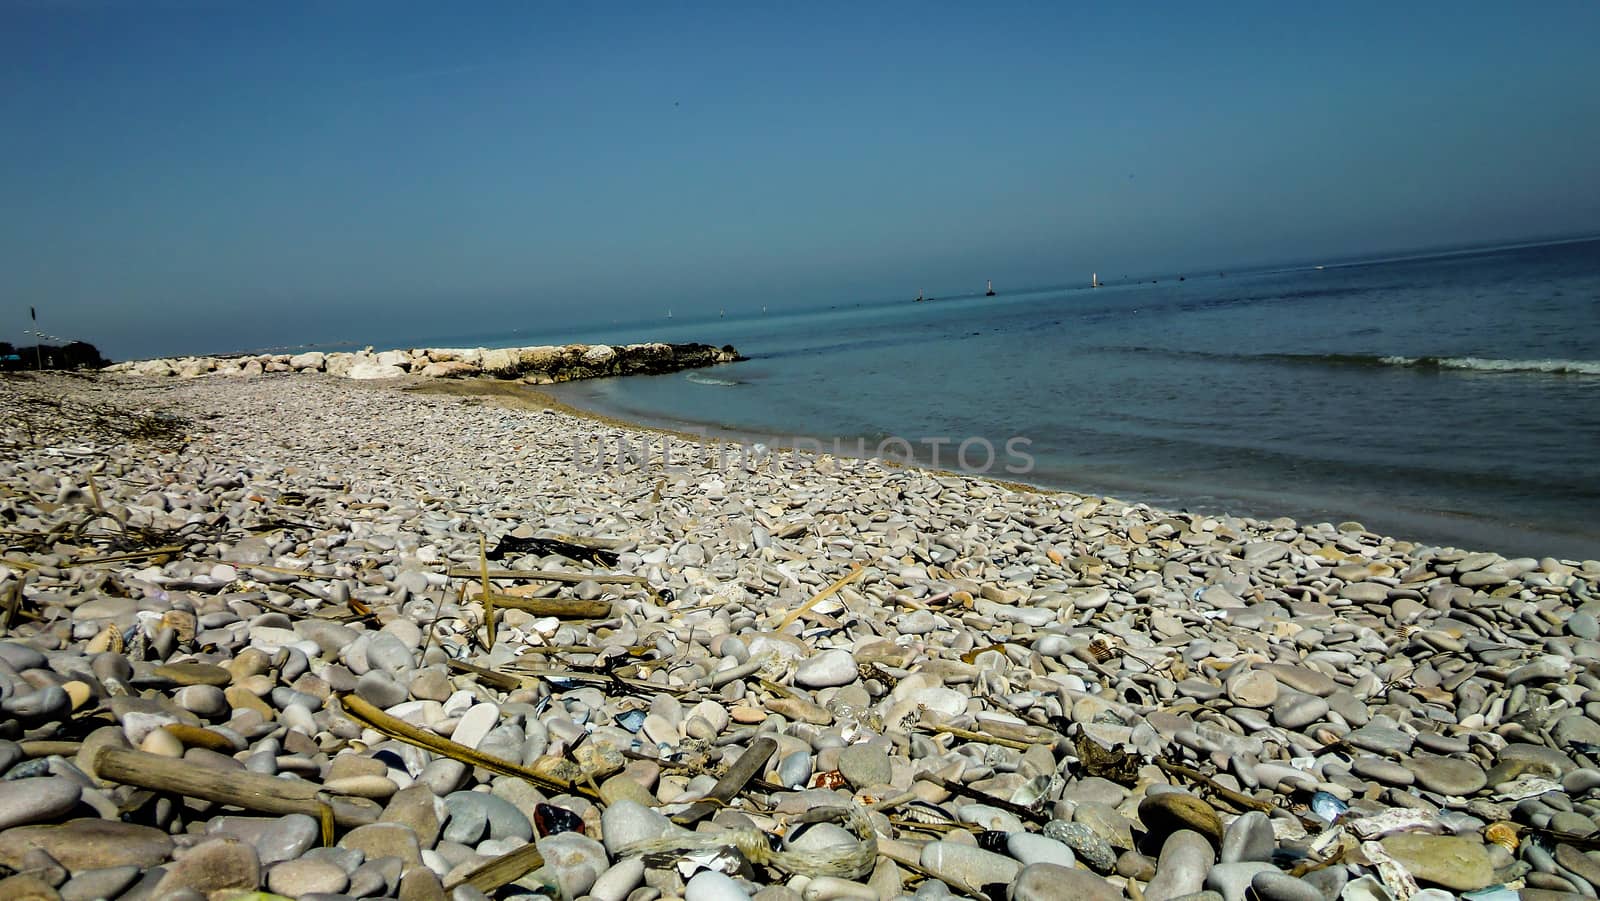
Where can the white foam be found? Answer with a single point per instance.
(1562, 367)
(1484, 364)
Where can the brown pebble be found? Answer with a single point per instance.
(190, 672)
(1168, 812)
(198, 737)
(162, 742)
(241, 699)
(78, 692)
(804, 711)
(27, 887)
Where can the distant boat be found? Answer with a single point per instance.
(1322, 267)
(722, 314)
(1095, 282)
(669, 313)
(920, 298)
(989, 291)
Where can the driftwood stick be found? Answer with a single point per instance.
(132, 555)
(505, 869)
(306, 574)
(13, 605)
(1237, 799)
(489, 677)
(488, 593)
(292, 613)
(969, 735)
(433, 621)
(747, 767)
(967, 791)
(566, 608)
(364, 712)
(598, 542)
(632, 650)
(1029, 733)
(251, 791)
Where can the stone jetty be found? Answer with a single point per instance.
(298, 636)
(540, 365)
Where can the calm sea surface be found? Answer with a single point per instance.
(1449, 398)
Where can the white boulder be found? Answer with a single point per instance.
(369, 369)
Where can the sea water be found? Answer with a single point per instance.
(1447, 398)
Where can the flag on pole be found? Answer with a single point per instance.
(34, 314)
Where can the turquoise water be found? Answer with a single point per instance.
(1449, 398)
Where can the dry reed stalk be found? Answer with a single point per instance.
(502, 870)
(969, 735)
(488, 594)
(122, 558)
(822, 595)
(488, 677)
(369, 715)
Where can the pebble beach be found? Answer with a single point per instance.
(291, 634)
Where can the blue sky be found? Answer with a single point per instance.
(191, 177)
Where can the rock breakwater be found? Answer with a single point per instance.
(260, 640)
(540, 365)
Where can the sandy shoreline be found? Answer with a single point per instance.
(1069, 695)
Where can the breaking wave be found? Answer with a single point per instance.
(1479, 364)
(699, 379)
(1385, 361)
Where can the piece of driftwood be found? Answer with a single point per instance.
(265, 604)
(747, 767)
(720, 678)
(13, 605)
(674, 766)
(487, 598)
(967, 791)
(433, 621)
(369, 715)
(123, 558)
(969, 735)
(306, 574)
(602, 542)
(251, 791)
(1238, 799)
(565, 608)
(498, 681)
(632, 650)
(503, 870)
(1028, 733)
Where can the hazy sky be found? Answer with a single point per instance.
(191, 177)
